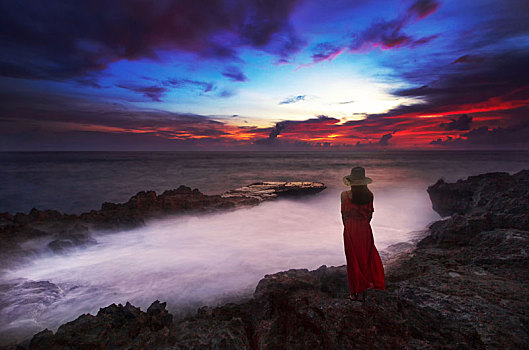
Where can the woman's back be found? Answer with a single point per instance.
(353, 209)
(364, 266)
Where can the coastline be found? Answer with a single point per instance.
(463, 285)
(59, 232)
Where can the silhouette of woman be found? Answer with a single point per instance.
(364, 267)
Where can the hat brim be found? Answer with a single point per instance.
(350, 182)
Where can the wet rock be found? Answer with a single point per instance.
(267, 190)
(69, 231)
(463, 286)
(499, 193)
(114, 327)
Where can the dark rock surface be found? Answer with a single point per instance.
(295, 309)
(494, 193)
(114, 327)
(488, 201)
(268, 190)
(62, 231)
(463, 286)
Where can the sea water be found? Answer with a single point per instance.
(192, 260)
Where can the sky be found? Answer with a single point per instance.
(264, 75)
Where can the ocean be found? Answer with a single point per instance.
(192, 260)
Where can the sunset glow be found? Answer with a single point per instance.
(378, 75)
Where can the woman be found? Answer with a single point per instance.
(364, 267)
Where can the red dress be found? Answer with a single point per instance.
(364, 267)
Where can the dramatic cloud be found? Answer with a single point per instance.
(57, 40)
(462, 123)
(466, 89)
(513, 136)
(294, 99)
(326, 51)
(153, 92)
(498, 83)
(300, 128)
(183, 83)
(423, 8)
(234, 74)
(384, 140)
(385, 34)
(469, 59)
(61, 112)
(389, 34)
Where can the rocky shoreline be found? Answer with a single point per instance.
(463, 286)
(60, 232)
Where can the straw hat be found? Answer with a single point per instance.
(357, 177)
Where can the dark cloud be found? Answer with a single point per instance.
(57, 112)
(326, 51)
(505, 21)
(484, 137)
(389, 34)
(384, 140)
(226, 93)
(59, 40)
(462, 123)
(234, 74)
(153, 92)
(181, 83)
(423, 8)
(277, 129)
(386, 34)
(497, 83)
(286, 45)
(299, 126)
(469, 59)
(294, 99)
(92, 82)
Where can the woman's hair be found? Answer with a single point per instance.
(361, 194)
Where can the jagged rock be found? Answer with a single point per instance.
(114, 327)
(295, 309)
(487, 202)
(491, 192)
(464, 286)
(266, 190)
(43, 340)
(68, 231)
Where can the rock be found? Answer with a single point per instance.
(114, 327)
(492, 192)
(43, 340)
(464, 286)
(298, 309)
(267, 190)
(487, 202)
(69, 231)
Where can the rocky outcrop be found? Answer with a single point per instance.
(268, 190)
(295, 309)
(488, 202)
(464, 286)
(114, 327)
(65, 231)
(492, 192)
